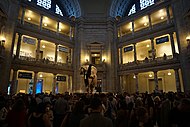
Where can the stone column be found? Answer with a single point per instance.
(41, 21)
(135, 53)
(172, 44)
(153, 49)
(58, 27)
(22, 16)
(178, 85)
(156, 81)
(56, 52)
(38, 49)
(13, 88)
(69, 84)
(54, 83)
(18, 45)
(168, 15)
(133, 28)
(150, 21)
(121, 57)
(35, 82)
(136, 82)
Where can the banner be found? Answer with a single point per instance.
(30, 41)
(61, 78)
(63, 49)
(129, 48)
(162, 40)
(25, 75)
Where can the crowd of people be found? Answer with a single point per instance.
(95, 110)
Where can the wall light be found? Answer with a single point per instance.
(45, 24)
(43, 46)
(2, 40)
(188, 38)
(162, 17)
(41, 75)
(169, 73)
(150, 75)
(29, 18)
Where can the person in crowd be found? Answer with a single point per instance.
(17, 116)
(4, 109)
(60, 108)
(95, 119)
(122, 119)
(39, 118)
(179, 116)
(140, 118)
(72, 119)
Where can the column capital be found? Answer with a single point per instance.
(20, 34)
(35, 72)
(136, 73)
(171, 33)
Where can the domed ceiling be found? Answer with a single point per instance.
(100, 8)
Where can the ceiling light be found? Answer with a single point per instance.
(188, 38)
(147, 46)
(162, 17)
(29, 18)
(45, 24)
(43, 46)
(145, 24)
(150, 75)
(169, 73)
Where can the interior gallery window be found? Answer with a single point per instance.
(44, 3)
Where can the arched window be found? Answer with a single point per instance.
(140, 5)
(44, 3)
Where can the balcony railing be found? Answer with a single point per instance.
(148, 62)
(41, 62)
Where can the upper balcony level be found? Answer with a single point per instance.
(165, 62)
(33, 64)
(36, 24)
(149, 22)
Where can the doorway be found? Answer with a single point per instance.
(151, 85)
(39, 86)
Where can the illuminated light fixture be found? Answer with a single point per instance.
(2, 40)
(134, 76)
(41, 75)
(150, 75)
(103, 60)
(147, 46)
(29, 18)
(169, 73)
(45, 24)
(86, 60)
(162, 17)
(131, 29)
(43, 46)
(59, 30)
(145, 24)
(95, 54)
(188, 38)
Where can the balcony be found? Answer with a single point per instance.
(24, 62)
(160, 28)
(34, 30)
(150, 64)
